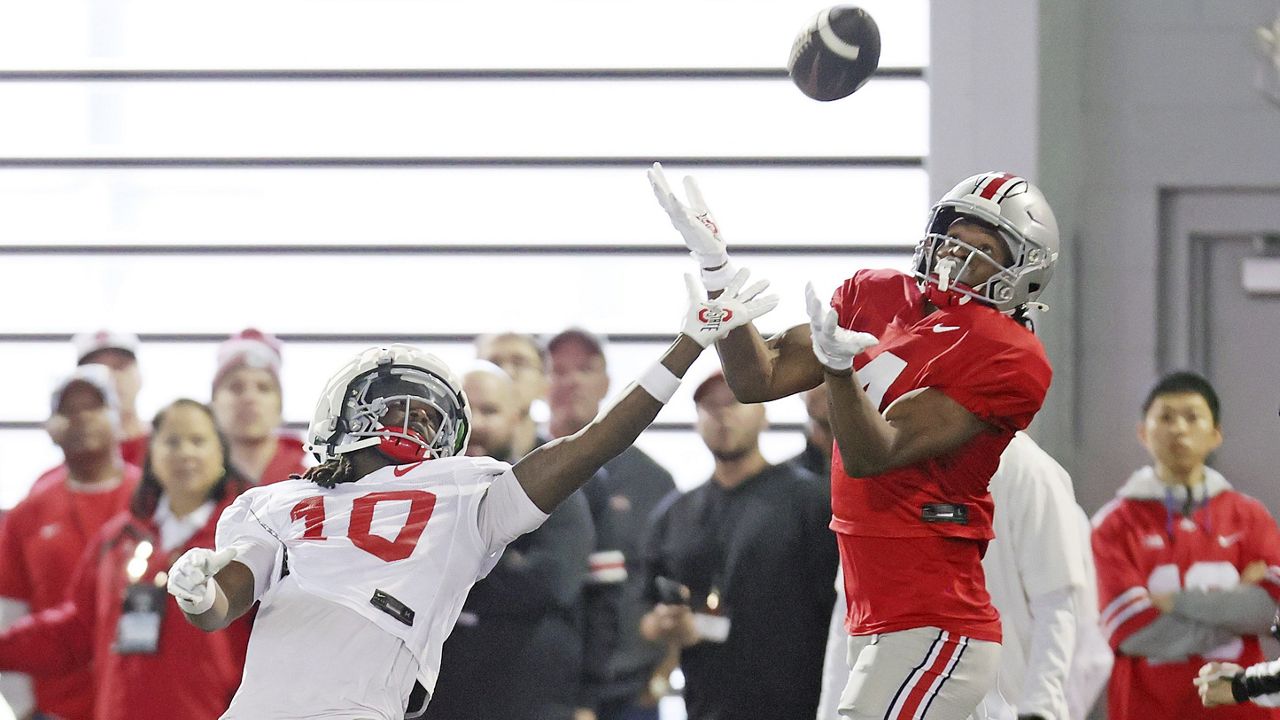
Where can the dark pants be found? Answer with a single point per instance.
(625, 709)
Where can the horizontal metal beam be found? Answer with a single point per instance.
(418, 74)
(437, 162)
(298, 426)
(423, 338)
(523, 250)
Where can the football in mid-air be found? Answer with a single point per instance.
(835, 53)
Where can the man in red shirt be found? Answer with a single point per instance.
(1188, 568)
(118, 352)
(928, 375)
(43, 537)
(248, 404)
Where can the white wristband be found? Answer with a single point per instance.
(202, 605)
(659, 382)
(718, 279)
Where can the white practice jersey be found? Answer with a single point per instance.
(401, 547)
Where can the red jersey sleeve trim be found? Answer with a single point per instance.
(1129, 612)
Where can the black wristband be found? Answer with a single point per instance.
(1238, 690)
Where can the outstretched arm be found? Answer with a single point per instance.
(550, 473)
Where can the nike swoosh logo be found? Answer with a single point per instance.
(402, 470)
(945, 328)
(1228, 540)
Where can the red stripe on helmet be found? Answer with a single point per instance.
(994, 185)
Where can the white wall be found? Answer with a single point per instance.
(171, 174)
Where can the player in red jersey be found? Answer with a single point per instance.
(928, 375)
(1188, 568)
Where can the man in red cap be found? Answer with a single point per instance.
(43, 537)
(247, 404)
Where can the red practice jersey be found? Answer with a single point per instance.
(1140, 549)
(912, 539)
(41, 542)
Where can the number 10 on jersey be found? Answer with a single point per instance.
(421, 504)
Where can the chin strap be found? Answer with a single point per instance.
(940, 298)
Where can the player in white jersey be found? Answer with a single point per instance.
(361, 567)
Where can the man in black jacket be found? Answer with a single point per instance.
(516, 651)
(621, 496)
(742, 570)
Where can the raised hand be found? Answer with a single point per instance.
(697, 226)
(707, 321)
(833, 345)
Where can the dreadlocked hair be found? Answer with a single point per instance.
(331, 473)
(1021, 317)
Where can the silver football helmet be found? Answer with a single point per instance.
(392, 382)
(1019, 213)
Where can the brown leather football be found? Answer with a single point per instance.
(835, 53)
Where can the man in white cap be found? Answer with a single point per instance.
(118, 351)
(43, 537)
(247, 403)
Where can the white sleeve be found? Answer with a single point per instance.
(242, 527)
(15, 688)
(835, 666)
(1053, 640)
(1050, 559)
(1093, 658)
(506, 512)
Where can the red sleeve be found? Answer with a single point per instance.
(59, 639)
(15, 579)
(1123, 600)
(869, 300)
(1005, 388)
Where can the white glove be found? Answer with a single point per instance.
(833, 345)
(698, 228)
(191, 580)
(707, 321)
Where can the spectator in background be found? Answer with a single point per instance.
(43, 537)
(818, 440)
(1182, 563)
(247, 403)
(147, 663)
(516, 650)
(753, 568)
(119, 352)
(525, 360)
(622, 497)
